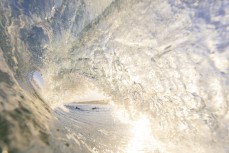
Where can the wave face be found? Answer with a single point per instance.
(153, 76)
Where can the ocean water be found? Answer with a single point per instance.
(114, 76)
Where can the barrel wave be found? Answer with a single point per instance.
(114, 76)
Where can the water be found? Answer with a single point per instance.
(114, 76)
(93, 127)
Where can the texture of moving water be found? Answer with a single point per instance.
(111, 76)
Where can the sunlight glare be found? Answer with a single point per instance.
(142, 137)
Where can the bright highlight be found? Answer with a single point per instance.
(142, 140)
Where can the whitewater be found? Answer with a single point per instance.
(114, 76)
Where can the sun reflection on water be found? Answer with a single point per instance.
(142, 140)
(140, 131)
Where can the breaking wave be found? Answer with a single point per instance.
(114, 76)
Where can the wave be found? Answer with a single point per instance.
(162, 62)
